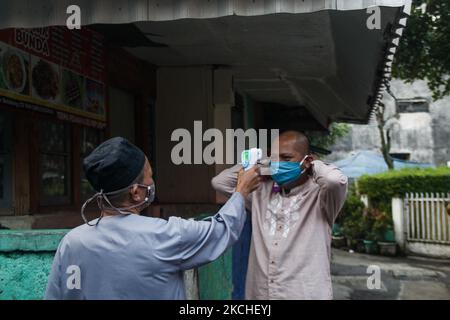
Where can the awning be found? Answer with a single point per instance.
(318, 54)
(30, 14)
(371, 162)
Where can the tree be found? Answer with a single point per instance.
(423, 53)
(424, 49)
(336, 131)
(385, 125)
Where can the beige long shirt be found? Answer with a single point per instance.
(291, 234)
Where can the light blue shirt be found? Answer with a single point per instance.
(137, 257)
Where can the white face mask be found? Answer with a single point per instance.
(101, 196)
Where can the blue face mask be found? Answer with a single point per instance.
(285, 172)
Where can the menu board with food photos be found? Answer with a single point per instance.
(54, 70)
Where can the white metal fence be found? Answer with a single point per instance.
(426, 216)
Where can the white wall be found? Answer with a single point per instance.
(426, 136)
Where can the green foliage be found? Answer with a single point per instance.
(351, 216)
(424, 50)
(361, 223)
(352, 204)
(353, 226)
(336, 131)
(376, 224)
(372, 224)
(382, 187)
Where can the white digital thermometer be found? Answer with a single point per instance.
(250, 157)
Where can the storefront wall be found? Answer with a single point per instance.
(42, 182)
(42, 178)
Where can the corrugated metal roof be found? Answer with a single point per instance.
(324, 92)
(53, 12)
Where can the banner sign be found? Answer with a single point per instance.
(54, 69)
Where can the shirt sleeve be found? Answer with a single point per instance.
(225, 183)
(333, 188)
(204, 241)
(53, 290)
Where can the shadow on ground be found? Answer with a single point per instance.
(402, 278)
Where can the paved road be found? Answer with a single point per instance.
(401, 278)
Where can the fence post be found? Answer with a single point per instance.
(399, 222)
(365, 200)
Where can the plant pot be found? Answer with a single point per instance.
(389, 236)
(336, 230)
(388, 248)
(338, 241)
(360, 248)
(370, 246)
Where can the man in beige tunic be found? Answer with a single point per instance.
(291, 221)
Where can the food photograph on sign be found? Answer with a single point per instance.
(14, 66)
(45, 80)
(72, 89)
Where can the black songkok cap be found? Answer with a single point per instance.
(113, 165)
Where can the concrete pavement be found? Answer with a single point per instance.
(401, 278)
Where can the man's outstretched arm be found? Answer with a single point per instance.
(200, 242)
(225, 183)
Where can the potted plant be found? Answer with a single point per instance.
(383, 228)
(388, 248)
(370, 243)
(350, 220)
(353, 230)
(389, 235)
(371, 235)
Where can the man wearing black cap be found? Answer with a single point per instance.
(123, 255)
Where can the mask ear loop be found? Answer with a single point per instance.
(304, 158)
(97, 196)
(121, 210)
(104, 197)
(149, 190)
(100, 205)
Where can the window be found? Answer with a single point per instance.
(401, 156)
(412, 105)
(90, 139)
(54, 147)
(5, 161)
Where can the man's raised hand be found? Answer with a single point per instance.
(248, 181)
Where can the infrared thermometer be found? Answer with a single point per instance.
(250, 157)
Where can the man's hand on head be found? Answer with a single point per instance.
(248, 181)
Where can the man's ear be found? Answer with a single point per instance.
(307, 163)
(134, 193)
